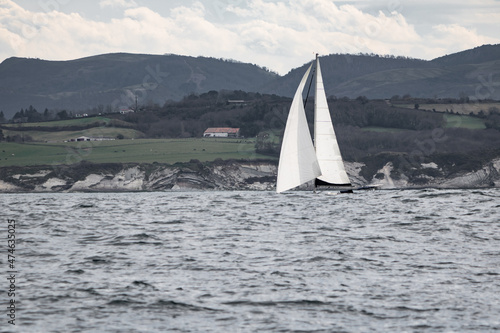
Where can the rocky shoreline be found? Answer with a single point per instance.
(88, 177)
(222, 175)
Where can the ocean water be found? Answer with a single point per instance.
(381, 261)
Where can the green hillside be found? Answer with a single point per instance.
(462, 121)
(460, 108)
(125, 151)
(70, 129)
(80, 122)
(61, 136)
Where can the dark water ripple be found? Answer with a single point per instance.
(385, 261)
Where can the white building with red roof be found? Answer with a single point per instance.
(221, 132)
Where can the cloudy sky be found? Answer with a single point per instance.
(277, 34)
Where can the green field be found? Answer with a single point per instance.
(61, 136)
(452, 121)
(459, 121)
(102, 127)
(462, 108)
(127, 151)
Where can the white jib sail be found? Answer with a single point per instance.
(325, 141)
(298, 163)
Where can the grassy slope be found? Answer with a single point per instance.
(463, 108)
(104, 127)
(122, 151)
(60, 136)
(458, 121)
(462, 121)
(452, 121)
(69, 122)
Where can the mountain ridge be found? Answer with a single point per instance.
(117, 79)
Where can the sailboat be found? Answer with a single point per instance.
(301, 160)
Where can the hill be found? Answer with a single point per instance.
(341, 69)
(472, 73)
(485, 53)
(115, 81)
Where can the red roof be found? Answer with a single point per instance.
(222, 130)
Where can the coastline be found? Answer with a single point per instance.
(218, 175)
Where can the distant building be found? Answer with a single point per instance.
(221, 132)
(125, 111)
(86, 138)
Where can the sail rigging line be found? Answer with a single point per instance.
(310, 84)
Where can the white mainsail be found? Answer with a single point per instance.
(298, 163)
(300, 160)
(325, 141)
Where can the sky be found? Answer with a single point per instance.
(279, 35)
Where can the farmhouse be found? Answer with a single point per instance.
(221, 132)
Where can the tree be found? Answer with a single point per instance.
(1, 135)
(46, 114)
(362, 99)
(19, 116)
(32, 115)
(463, 97)
(250, 130)
(62, 115)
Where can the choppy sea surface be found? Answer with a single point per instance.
(381, 261)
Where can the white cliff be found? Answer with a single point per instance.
(229, 175)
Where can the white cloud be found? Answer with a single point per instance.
(298, 31)
(454, 38)
(280, 35)
(117, 3)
